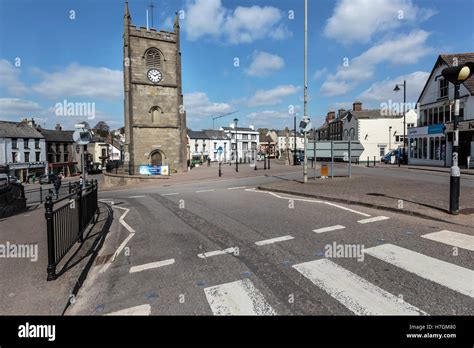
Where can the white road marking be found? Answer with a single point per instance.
(236, 188)
(151, 265)
(106, 201)
(455, 277)
(218, 252)
(330, 228)
(237, 298)
(354, 292)
(274, 240)
(170, 194)
(137, 310)
(373, 219)
(124, 243)
(310, 201)
(136, 196)
(459, 240)
(204, 191)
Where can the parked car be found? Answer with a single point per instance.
(14, 179)
(48, 179)
(388, 157)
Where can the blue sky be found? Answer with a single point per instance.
(358, 49)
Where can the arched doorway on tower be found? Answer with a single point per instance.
(156, 158)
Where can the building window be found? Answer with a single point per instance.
(196, 147)
(245, 146)
(430, 116)
(461, 114)
(425, 148)
(153, 58)
(204, 146)
(50, 158)
(104, 153)
(26, 144)
(447, 114)
(37, 143)
(382, 151)
(234, 146)
(66, 157)
(437, 149)
(37, 156)
(245, 136)
(14, 143)
(215, 146)
(435, 116)
(254, 146)
(254, 137)
(441, 115)
(65, 150)
(14, 157)
(431, 148)
(58, 147)
(420, 147)
(58, 158)
(443, 88)
(27, 157)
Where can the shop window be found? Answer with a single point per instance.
(431, 148)
(437, 149)
(425, 148)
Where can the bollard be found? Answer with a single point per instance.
(264, 164)
(268, 162)
(255, 167)
(220, 170)
(50, 238)
(368, 161)
(374, 161)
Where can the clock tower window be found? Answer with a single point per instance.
(153, 58)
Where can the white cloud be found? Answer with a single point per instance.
(82, 81)
(198, 105)
(359, 20)
(15, 107)
(382, 91)
(406, 49)
(241, 25)
(263, 64)
(268, 118)
(10, 78)
(272, 96)
(319, 73)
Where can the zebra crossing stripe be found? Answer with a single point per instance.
(354, 292)
(455, 239)
(237, 298)
(454, 277)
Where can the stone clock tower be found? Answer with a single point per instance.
(155, 120)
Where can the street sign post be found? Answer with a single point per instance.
(82, 136)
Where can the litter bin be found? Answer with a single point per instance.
(324, 170)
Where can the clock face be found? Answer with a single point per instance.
(154, 75)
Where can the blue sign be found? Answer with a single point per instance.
(436, 128)
(220, 150)
(153, 170)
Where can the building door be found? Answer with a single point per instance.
(156, 158)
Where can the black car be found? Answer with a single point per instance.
(48, 179)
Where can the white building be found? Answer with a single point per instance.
(287, 141)
(431, 142)
(22, 149)
(246, 143)
(379, 131)
(209, 143)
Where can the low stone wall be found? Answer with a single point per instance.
(118, 180)
(11, 200)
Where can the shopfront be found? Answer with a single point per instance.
(466, 140)
(23, 170)
(428, 146)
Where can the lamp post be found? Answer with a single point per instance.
(294, 139)
(236, 147)
(305, 102)
(396, 89)
(390, 138)
(456, 75)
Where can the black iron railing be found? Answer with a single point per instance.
(66, 221)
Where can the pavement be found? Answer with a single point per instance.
(406, 194)
(24, 289)
(227, 248)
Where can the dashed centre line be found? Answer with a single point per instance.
(217, 252)
(329, 228)
(151, 265)
(170, 194)
(237, 188)
(373, 219)
(199, 191)
(274, 240)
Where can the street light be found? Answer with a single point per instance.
(456, 75)
(236, 147)
(389, 138)
(396, 89)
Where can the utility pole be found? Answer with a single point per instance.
(294, 140)
(305, 164)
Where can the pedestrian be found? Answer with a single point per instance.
(209, 161)
(81, 181)
(34, 178)
(57, 186)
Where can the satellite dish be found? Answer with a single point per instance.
(82, 136)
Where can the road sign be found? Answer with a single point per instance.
(82, 136)
(220, 150)
(340, 149)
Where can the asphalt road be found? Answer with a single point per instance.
(226, 248)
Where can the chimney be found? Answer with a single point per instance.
(340, 112)
(357, 106)
(58, 127)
